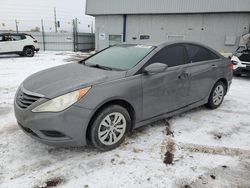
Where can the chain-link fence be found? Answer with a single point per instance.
(58, 36)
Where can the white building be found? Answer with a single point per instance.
(218, 24)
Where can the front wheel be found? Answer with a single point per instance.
(109, 127)
(216, 96)
(28, 52)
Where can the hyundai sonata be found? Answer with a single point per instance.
(99, 99)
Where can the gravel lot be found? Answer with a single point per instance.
(200, 148)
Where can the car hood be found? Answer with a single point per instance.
(65, 78)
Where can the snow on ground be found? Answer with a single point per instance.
(209, 148)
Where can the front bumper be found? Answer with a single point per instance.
(66, 128)
(37, 49)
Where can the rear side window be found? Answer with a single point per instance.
(23, 37)
(197, 53)
(171, 55)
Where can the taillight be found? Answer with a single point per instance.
(230, 66)
(35, 41)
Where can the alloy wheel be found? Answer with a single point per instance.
(112, 128)
(218, 95)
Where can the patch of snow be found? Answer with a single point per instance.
(199, 137)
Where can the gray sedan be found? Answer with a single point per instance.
(98, 100)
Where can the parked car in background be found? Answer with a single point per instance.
(241, 61)
(21, 43)
(99, 99)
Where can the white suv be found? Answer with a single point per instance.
(241, 61)
(21, 43)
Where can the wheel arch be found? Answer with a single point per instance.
(121, 102)
(28, 46)
(224, 81)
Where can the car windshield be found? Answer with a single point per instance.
(120, 57)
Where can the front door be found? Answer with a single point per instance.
(165, 92)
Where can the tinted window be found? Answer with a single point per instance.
(198, 53)
(170, 55)
(23, 37)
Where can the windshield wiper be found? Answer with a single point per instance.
(99, 66)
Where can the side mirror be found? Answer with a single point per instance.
(155, 68)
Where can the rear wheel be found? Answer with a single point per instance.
(28, 52)
(217, 95)
(109, 127)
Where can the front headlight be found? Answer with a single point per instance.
(62, 102)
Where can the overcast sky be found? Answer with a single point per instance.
(29, 13)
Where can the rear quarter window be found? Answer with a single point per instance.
(198, 53)
(16, 37)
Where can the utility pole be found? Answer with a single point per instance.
(55, 19)
(16, 26)
(76, 33)
(92, 31)
(43, 35)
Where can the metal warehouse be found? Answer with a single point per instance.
(219, 24)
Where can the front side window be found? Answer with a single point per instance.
(120, 57)
(171, 55)
(197, 53)
(16, 37)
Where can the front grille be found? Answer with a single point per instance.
(24, 100)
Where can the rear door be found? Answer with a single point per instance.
(203, 71)
(165, 92)
(17, 43)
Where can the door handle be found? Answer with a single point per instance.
(183, 75)
(214, 66)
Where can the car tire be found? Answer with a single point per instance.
(217, 95)
(28, 52)
(109, 127)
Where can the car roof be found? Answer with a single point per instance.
(15, 34)
(164, 44)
